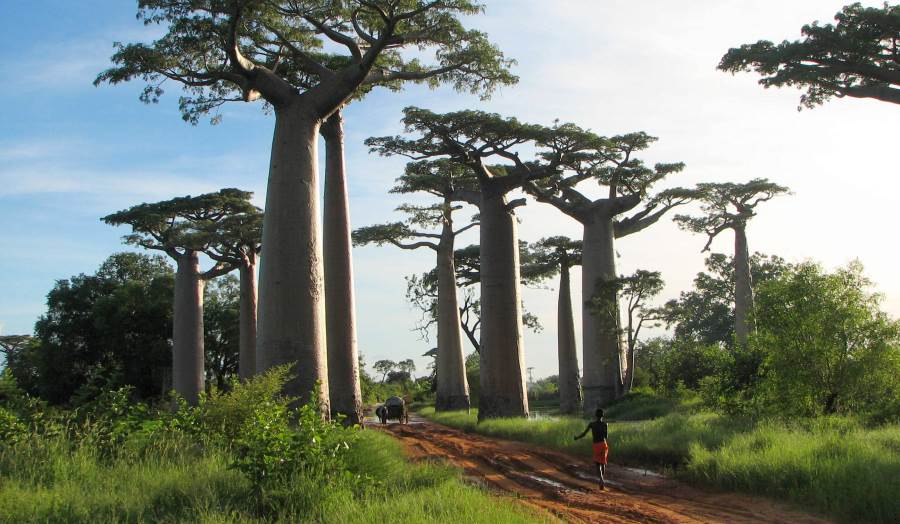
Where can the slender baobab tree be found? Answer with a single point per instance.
(559, 254)
(451, 183)
(858, 57)
(245, 50)
(180, 228)
(611, 163)
(730, 206)
(636, 290)
(471, 139)
(236, 240)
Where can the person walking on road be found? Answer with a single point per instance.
(599, 430)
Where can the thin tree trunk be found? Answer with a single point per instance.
(291, 306)
(187, 332)
(569, 383)
(503, 389)
(340, 309)
(600, 324)
(450, 366)
(247, 351)
(743, 287)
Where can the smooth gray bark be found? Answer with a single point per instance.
(450, 366)
(247, 348)
(187, 330)
(569, 383)
(743, 287)
(340, 308)
(503, 388)
(602, 343)
(291, 291)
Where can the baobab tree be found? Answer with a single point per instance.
(611, 163)
(242, 50)
(731, 206)
(858, 57)
(236, 240)
(451, 183)
(471, 139)
(558, 254)
(180, 228)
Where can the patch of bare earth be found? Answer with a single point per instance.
(566, 486)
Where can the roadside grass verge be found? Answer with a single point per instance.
(835, 465)
(49, 480)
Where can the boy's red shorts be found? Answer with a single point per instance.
(601, 452)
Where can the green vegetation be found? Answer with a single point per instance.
(835, 465)
(240, 456)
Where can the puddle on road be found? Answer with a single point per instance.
(595, 478)
(645, 472)
(546, 481)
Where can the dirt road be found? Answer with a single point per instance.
(566, 486)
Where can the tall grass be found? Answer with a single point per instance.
(52, 480)
(833, 465)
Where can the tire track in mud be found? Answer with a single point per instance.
(566, 486)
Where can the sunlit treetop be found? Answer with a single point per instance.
(184, 224)
(475, 139)
(328, 51)
(859, 56)
(728, 205)
(556, 252)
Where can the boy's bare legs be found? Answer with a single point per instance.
(600, 471)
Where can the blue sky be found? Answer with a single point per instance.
(71, 152)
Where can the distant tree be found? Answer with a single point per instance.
(706, 312)
(407, 366)
(731, 206)
(637, 289)
(180, 227)
(384, 367)
(239, 50)
(858, 57)
(626, 182)
(101, 331)
(451, 184)
(474, 139)
(558, 254)
(11, 344)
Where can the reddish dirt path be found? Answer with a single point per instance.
(566, 486)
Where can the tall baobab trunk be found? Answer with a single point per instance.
(187, 332)
(247, 348)
(450, 365)
(569, 383)
(291, 292)
(743, 287)
(503, 390)
(600, 323)
(340, 309)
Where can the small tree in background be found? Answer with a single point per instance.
(731, 206)
(857, 57)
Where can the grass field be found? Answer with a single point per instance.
(835, 466)
(48, 480)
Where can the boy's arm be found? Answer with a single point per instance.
(583, 433)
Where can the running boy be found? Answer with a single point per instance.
(598, 430)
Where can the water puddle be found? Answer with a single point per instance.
(646, 472)
(595, 478)
(546, 481)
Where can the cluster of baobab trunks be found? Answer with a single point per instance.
(234, 50)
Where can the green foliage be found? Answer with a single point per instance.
(221, 330)
(855, 57)
(100, 332)
(198, 50)
(826, 341)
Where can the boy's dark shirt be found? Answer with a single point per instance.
(598, 430)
